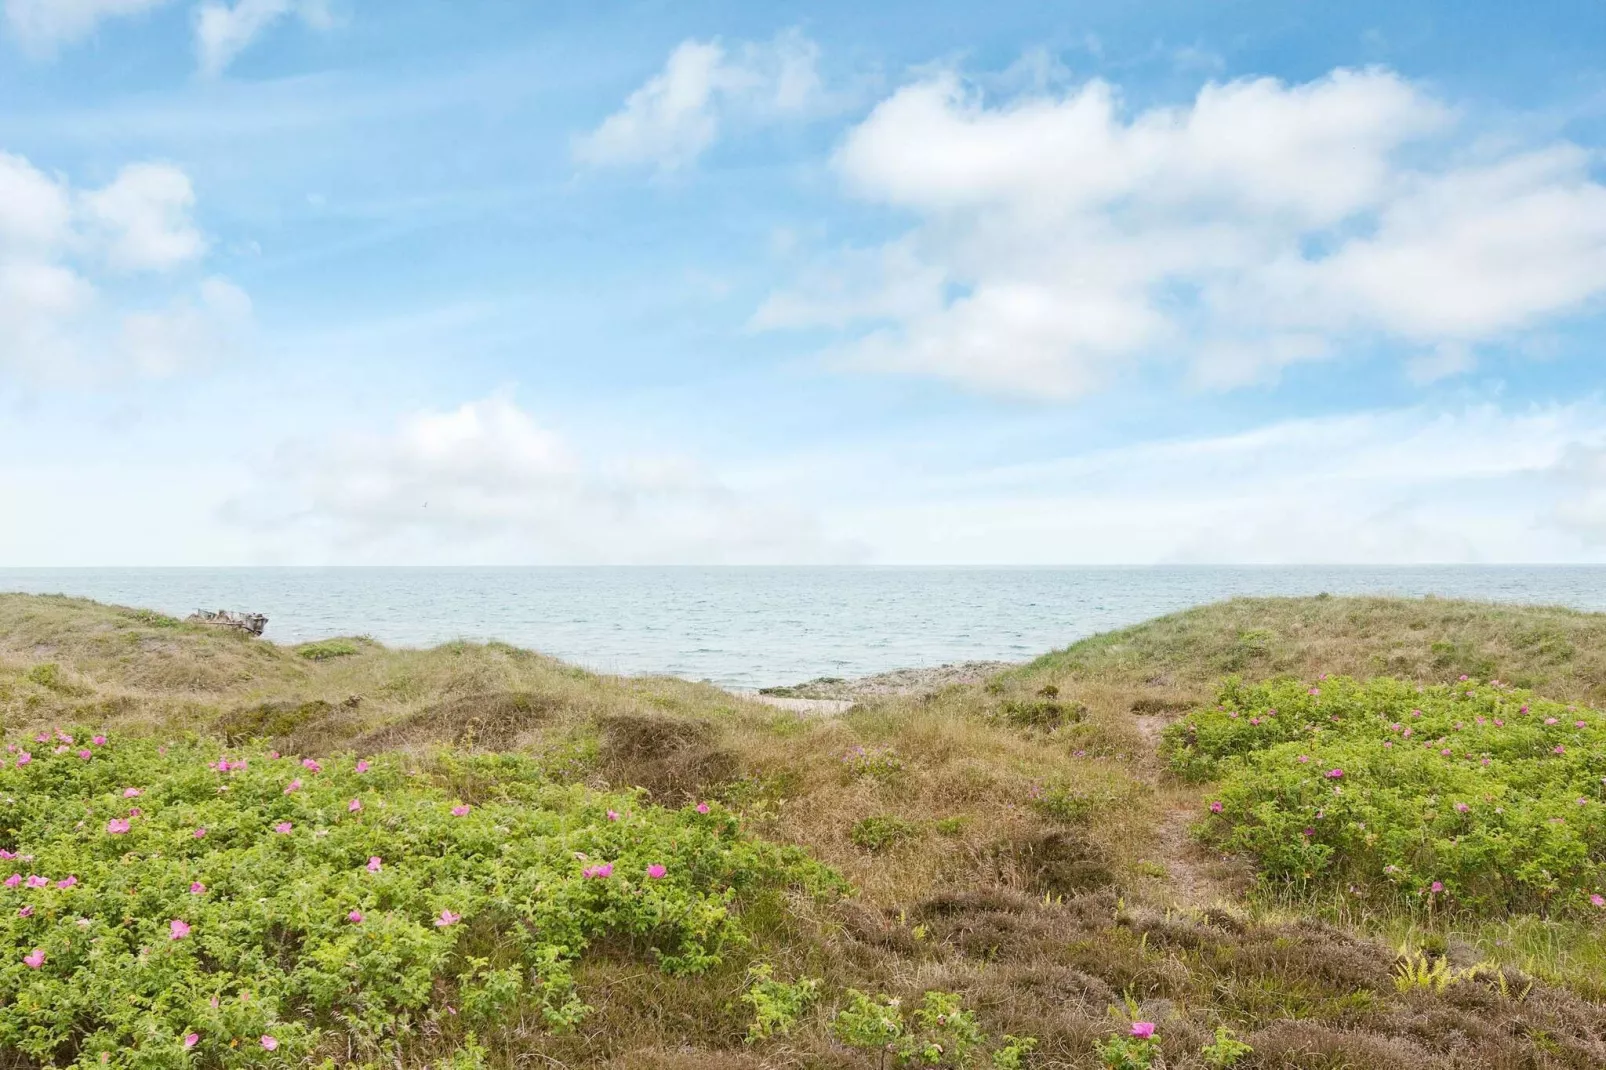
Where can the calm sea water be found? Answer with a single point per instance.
(752, 627)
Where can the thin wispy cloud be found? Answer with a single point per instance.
(704, 87)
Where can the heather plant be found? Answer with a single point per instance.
(1462, 797)
(168, 905)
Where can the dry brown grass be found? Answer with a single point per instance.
(1022, 848)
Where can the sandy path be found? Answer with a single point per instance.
(1190, 869)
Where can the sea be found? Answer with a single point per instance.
(746, 628)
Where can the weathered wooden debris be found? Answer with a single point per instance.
(250, 623)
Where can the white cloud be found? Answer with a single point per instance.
(485, 483)
(1063, 242)
(1403, 486)
(44, 24)
(60, 321)
(677, 114)
(144, 215)
(223, 30)
(1582, 509)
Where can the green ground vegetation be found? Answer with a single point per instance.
(1008, 874)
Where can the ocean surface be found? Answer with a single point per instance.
(754, 627)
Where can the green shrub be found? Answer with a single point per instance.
(128, 929)
(1467, 797)
(325, 649)
(1225, 1051)
(877, 763)
(777, 1005)
(942, 1034)
(879, 832)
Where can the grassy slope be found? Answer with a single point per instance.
(1036, 875)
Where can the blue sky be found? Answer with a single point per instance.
(334, 281)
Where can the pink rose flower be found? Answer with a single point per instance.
(656, 872)
(269, 1042)
(461, 810)
(311, 764)
(447, 918)
(24, 758)
(1143, 1030)
(67, 882)
(35, 960)
(99, 741)
(354, 806)
(355, 917)
(702, 808)
(283, 828)
(190, 1040)
(177, 930)
(197, 888)
(117, 826)
(362, 765)
(375, 864)
(199, 834)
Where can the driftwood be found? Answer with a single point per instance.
(250, 623)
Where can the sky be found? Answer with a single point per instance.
(716, 282)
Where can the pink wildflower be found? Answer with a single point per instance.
(294, 785)
(1436, 887)
(1143, 1030)
(656, 872)
(447, 918)
(42, 737)
(613, 815)
(354, 806)
(375, 864)
(99, 741)
(132, 793)
(25, 912)
(190, 1040)
(269, 1042)
(603, 870)
(1597, 900)
(461, 810)
(35, 960)
(117, 826)
(36, 881)
(1303, 759)
(355, 917)
(177, 930)
(283, 828)
(1462, 807)
(702, 808)
(24, 758)
(197, 888)
(1550, 720)
(1215, 807)
(86, 755)
(1580, 724)
(1335, 774)
(67, 882)
(311, 764)
(13, 880)
(1315, 690)
(199, 834)
(362, 765)
(1558, 749)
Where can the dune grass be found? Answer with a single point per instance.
(1016, 843)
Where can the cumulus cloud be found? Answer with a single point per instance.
(1063, 241)
(678, 113)
(144, 217)
(65, 259)
(45, 24)
(224, 30)
(487, 483)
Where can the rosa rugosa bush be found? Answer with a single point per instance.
(174, 906)
(1465, 797)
